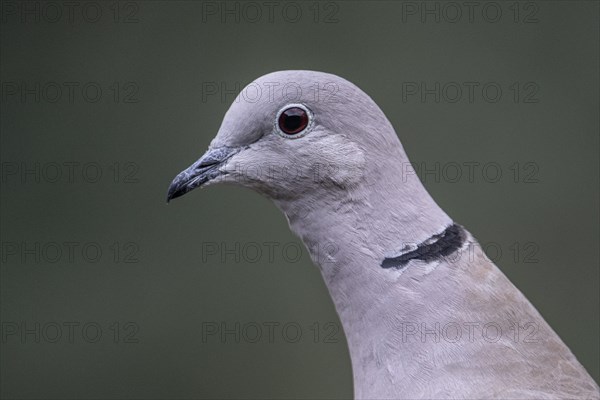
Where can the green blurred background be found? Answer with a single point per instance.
(143, 318)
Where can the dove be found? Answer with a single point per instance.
(426, 314)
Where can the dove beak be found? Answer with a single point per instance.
(205, 169)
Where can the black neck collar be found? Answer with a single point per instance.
(434, 248)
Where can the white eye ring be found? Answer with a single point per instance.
(299, 134)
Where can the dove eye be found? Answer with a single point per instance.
(294, 120)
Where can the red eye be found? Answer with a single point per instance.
(293, 120)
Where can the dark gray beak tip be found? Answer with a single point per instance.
(176, 189)
(173, 196)
(202, 171)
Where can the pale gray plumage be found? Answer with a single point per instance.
(352, 202)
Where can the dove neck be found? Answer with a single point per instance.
(348, 235)
(363, 226)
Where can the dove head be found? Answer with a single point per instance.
(298, 135)
(327, 156)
